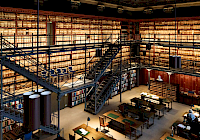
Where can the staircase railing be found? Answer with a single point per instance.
(31, 72)
(106, 95)
(97, 85)
(106, 66)
(89, 91)
(107, 84)
(28, 56)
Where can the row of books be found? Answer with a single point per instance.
(7, 128)
(78, 97)
(78, 101)
(82, 91)
(7, 124)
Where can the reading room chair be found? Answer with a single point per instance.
(127, 129)
(102, 123)
(71, 137)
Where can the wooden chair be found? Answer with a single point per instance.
(194, 137)
(102, 123)
(127, 129)
(71, 137)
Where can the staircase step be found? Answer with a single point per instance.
(89, 110)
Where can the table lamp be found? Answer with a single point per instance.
(88, 119)
(192, 106)
(172, 134)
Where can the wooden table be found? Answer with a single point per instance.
(158, 107)
(196, 108)
(164, 137)
(120, 119)
(196, 114)
(138, 111)
(189, 98)
(93, 133)
(165, 99)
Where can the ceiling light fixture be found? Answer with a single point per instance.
(168, 9)
(100, 7)
(148, 10)
(120, 9)
(75, 4)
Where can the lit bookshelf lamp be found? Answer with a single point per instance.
(88, 119)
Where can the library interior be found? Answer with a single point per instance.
(100, 70)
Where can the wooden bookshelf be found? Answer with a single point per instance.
(182, 30)
(67, 29)
(76, 98)
(163, 89)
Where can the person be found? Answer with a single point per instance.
(191, 115)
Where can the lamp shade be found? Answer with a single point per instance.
(88, 119)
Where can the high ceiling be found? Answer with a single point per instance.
(144, 3)
(133, 9)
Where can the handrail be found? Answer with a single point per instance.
(29, 69)
(8, 44)
(106, 66)
(89, 91)
(108, 91)
(108, 38)
(115, 72)
(90, 59)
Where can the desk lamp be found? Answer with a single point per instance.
(88, 119)
(192, 106)
(172, 134)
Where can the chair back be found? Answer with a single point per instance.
(64, 70)
(52, 71)
(194, 137)
(71, 137)
(70, 68)
(121, 108)
(127, 127)
(28, 136)
(101, 120)
(59, 70)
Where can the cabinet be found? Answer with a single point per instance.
(164, 89)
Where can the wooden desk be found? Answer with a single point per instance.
(93, 133)
(158, 107)
(139, 111)
(189, 98)
(165, 99)
(196, 108)
(196, 114)
(136, 124)
(164, 137)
